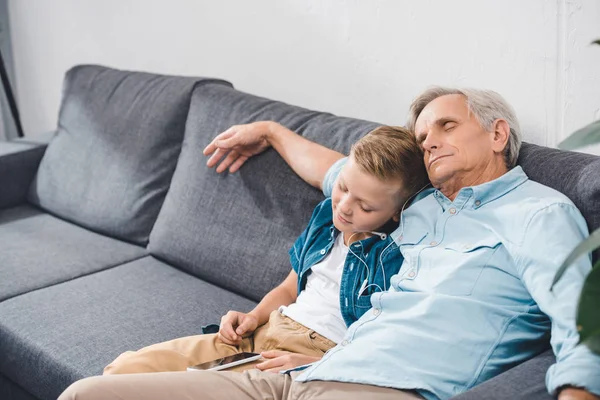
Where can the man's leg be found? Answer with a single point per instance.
(175, 355)
(325, 390)
(215, 385)
(201, 385)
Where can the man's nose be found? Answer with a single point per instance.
(431, 141)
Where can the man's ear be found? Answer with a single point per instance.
(501, 132)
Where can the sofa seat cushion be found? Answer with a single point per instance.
(51, 337)
(119, 135)
(39, 250)
(235, 230)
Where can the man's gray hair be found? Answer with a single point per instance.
(486, 105)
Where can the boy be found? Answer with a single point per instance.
(343, 256)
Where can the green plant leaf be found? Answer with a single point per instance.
(585, 136)
(588, 314)
(596, 42)
(587, 246)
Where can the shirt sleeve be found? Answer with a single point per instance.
(331, 176)
(552, 233)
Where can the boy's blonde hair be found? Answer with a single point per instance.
(392, 153)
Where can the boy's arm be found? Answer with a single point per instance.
(283, 295)
(235, 324)
(308, 159)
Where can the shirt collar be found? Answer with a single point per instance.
(486, 192)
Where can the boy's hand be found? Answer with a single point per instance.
(235, 325)
(277, 360)
(239, 143)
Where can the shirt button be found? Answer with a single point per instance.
(477, 203)
(344, 343)
(434, 243)
(376, 312)
(452, 211)
(401, 237)
(411, 274)
(323, 251)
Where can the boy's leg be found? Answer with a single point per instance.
(201, 385)
(175, 355)
(283, 333)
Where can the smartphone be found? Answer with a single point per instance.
(226, 362)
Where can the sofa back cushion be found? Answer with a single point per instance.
(577, 175)
(119, 135)
(235, 230)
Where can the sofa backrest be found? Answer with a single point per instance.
(119, 135)
(235, 230)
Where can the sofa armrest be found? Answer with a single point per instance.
(19, 161)
(523, 382)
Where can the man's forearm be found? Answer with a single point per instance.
(308, 159)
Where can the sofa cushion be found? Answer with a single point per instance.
(38, 250)
(110, 163)
(53, 336)
(10, 391)
(235, 230)
(574, 174)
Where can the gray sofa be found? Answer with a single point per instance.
(115, 235)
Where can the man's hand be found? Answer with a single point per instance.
(571, 393)
(278, 360)
(235, 325)
(239, 143)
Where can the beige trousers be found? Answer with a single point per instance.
(216, 385)
(279, 333)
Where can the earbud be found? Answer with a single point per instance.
(383, 236)
(362, 287)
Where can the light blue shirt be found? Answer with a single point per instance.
(472, 297)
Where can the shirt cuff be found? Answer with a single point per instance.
(331, 176)
(581, 369)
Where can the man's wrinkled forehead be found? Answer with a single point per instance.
(426, 119)
(451, 105)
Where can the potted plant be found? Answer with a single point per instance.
(588, 316)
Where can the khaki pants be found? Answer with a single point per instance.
(216, 385)
(279, 333)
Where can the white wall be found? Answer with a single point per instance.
(364, 59)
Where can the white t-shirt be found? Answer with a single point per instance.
(318, 305)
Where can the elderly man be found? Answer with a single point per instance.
(471, 300)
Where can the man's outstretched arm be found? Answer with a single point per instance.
(309, 160)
